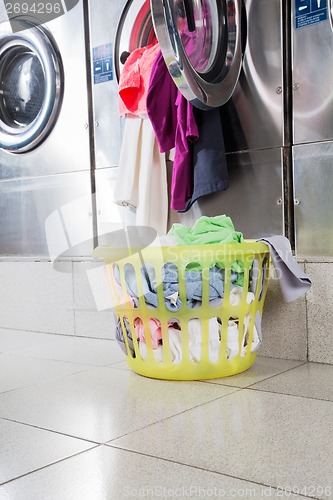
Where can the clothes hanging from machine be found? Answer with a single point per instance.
(142, 178)
(209, 164)
(199, 167)
(134, 80)
(175, 127)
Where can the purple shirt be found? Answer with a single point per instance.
(174, 124)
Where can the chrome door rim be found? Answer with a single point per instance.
(195, 87)
(37, 42)
(134, 30)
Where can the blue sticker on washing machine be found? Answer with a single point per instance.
(103, 63)
(308, 12)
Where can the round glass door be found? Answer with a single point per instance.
(201, 38)
(201, 44)
(30, 88)
(23, 87)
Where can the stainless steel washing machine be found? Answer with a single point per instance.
(234, 60)
(45, 156)
(312, 124)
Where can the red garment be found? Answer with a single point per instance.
(134, 80)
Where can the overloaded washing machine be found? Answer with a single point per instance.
(237, 64)
(45, 155)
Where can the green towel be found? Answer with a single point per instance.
(209, 230)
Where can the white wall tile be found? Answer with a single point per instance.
(320, 312)
(35, 297)
(94, 315)
(284, 326)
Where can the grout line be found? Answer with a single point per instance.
(174, 415)
(302, 363)
(3, 329)
(73, 298)
(306, 320)
(261, 380)
(291, 395)
(48, 465)
(169, 460)
(55, 378)
(51, 430)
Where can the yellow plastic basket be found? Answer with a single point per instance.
(242, 311)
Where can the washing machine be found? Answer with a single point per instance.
(235, 60)
(45, 153)
(236, 63)
(312, 126)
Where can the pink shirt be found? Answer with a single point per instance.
(134, 80)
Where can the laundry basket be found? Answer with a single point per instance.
(189, 313)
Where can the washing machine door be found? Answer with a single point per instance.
(31, 86)
(201, 44)
(135, 29)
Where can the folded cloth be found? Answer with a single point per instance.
(175, 343)
(155, 331)
(157, 353)
(256, 336)
(171, 285)
(120, 337)
(292, 279)
(195, 339)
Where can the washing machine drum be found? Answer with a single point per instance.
(31, 87)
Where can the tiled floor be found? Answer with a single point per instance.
(77, 424)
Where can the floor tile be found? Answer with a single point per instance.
(18, 341)
(24, 449)
(274, 439)
(263, 368)
(22, 371)
(96, 352)
(310, 380)
(104, 403)
(106, 473)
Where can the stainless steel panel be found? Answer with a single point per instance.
(66, 149)
(46, 216)
(108, 125)
(313, 181)
(312, 60)
(253, 118)
(254, 199)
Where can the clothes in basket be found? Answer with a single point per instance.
(194, 326)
